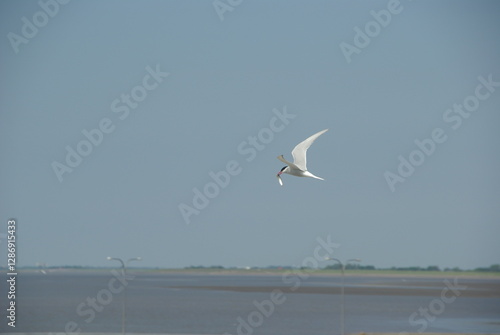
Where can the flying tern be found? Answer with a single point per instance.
(298, 167)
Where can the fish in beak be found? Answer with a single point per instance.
(279, 179)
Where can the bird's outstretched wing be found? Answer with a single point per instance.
(299, 152)
(291, 165)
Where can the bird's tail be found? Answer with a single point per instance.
(309, 174)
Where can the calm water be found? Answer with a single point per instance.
(253, 304)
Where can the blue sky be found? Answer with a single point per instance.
(178, 93)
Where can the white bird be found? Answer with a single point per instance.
(298, 167)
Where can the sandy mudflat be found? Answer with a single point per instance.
(407, 288)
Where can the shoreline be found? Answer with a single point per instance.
(279, 272)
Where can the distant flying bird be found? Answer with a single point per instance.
(298, 167)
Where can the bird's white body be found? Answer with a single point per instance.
(298, 167)
(294, 170)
